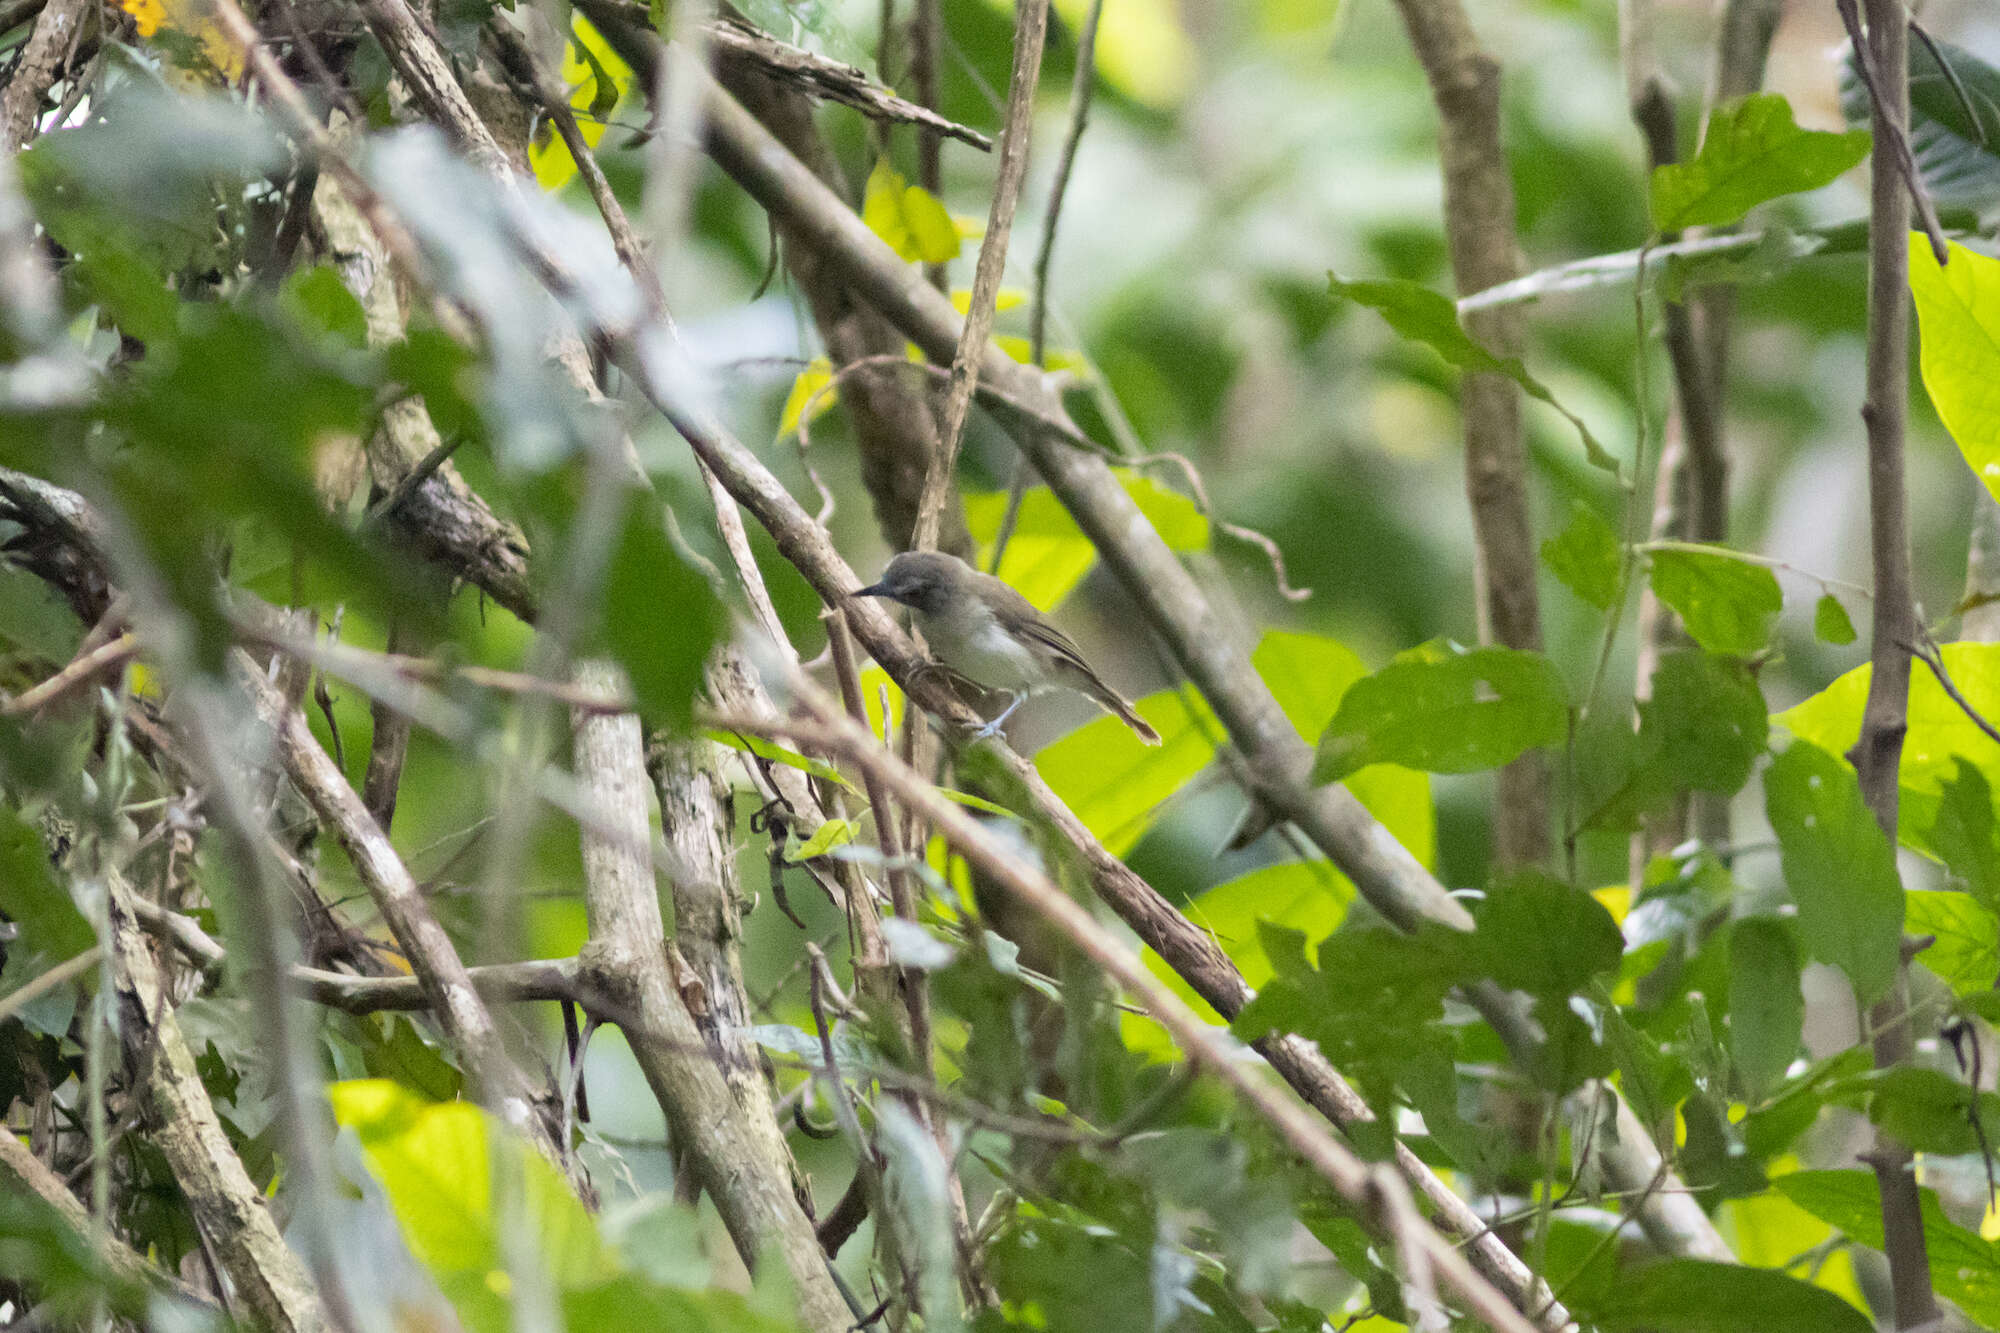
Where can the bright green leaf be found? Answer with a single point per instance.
(1752, 152)
(833, 833)
(1587, 557)
(1422, 315)
(436, 1163)
(1840, 868)
(1940, 733)
(1114, 781)
(1965, 948)
(1958, 313)
(1831, 623)
(1927, 1110)
(813, 394)
(1446, 710)
(1766, 1008)
(1727, 604)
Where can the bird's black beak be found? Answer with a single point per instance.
(872, 590)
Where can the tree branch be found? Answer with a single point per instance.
(226, 1204)
(739, 1158)
(1877, 754)
(1031, 26)
(1479, 231)
(833, 731)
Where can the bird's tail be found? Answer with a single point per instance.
(1116, 704)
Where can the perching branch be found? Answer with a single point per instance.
(1877, 755)
(839, 736)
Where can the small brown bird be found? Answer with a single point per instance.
(993, 636)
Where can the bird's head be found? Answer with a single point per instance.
(924, 581)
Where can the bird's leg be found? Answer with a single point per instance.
(992, 729)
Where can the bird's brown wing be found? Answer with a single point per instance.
(1018, 615)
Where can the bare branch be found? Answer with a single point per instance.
(1877, 754)
(1031, 25)
(226, 1204)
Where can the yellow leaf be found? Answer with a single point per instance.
(813, 392)
(1142, 49)
(213, 50)
(1007, 298)
(908, 217)
(597, 80)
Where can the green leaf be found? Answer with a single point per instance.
(1446, 710)
(1927, 1110)
(1958, 156)
(833, 833)
(1830, 621)
(1702, 730)
(1309, 674)
(41, 908)
(318, 299)
(1727, 604)
(1965, 952)
(812, 396)
(1422, 315)
(1113, 781)
(1964, 1268)
(437, 1164)
(1048, 555)
(908, 217)
(1537, 934)
(1967, 835)
(778, 754)
(1840, 868)
(1766, 1008)
(660, 616)
(1305, 900)
(1940, 733)
(1958, 313)
(1701, 1296)
(1752, 152)
(1587, 557)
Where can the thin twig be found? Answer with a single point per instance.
(81, 670)
(1897, 131)
(1031, 24)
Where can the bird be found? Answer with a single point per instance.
(988, 633)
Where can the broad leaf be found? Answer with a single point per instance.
(1830, 621)
(1702, 730)
(1587, 557)
(908, 217)
(1422, 315)
(1965, 947)
(1958, 312)
(1957, 159)
(1048, 555)
(1727, 604)
(1928, 1110)
(1537, 934)
(1766, 1009)
(1753, 151)
(661, 617)
(1701, 1296)
(1964, 1268)
(1839, 866)
(1446, 710)
(1967, 835)
(1940, 734)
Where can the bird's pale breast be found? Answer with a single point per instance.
(970, 641)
